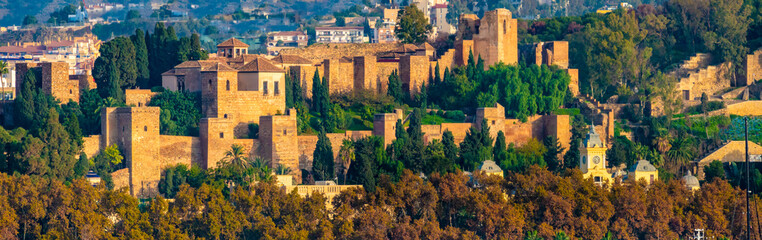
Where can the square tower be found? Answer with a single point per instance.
(279, 144)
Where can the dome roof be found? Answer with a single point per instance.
(643, 166)
(690, 180)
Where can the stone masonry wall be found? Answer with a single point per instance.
(176, 150)
(319, 52)
(304, 75)
(753, 68)
(340, 75)
(278, 137)
(91, 145)
(55, 81)
(138, 97)
(414, 72)
(745, 108)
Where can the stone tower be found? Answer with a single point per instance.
(135, 130)
(277, 134)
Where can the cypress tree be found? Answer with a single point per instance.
(141, 59)
(24, 110)
(297, 91)
(196, 52)
(395, 87)
(83, 165)
(499, 152)
(450, 149)
(316, 91)
(413, 155)
(363, 169)
(322, 164)
(437, 76)
(289, 92)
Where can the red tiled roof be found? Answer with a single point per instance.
(232, 42)
(291, 59)
(260, 65)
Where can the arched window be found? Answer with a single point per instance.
(227, 85)
(145, 128)
(210, 83)
(226, 115)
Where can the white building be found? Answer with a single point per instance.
(439, 19)
(340, 35)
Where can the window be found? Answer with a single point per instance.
(505, 27)
(227, 85)
(264, 87)
(285, 132)
(210, 83)
(277, 90)
(71, 92)
(181, 83)
(140, 104)
(652, 179)
(145, 128)
(686, 95)
(226, 115)
(222, 135)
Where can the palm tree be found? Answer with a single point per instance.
(236, 157)
(282, 170)
(681, 152)
(347, 156)
(236, 161)
(3, 71)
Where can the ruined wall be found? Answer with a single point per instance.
(752, 68)
(121, 178)
(138, 97)
(519, 133)
(176, 150)
(707, 80)
(335, 51)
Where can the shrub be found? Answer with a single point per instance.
(253, 130)
(456, 115)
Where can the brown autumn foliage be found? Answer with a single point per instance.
(447, 206)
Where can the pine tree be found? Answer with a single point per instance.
(141, 59)
(322, 164)
(554, 149)
(83, 165)
(413, 157)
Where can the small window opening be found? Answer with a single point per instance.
(145, 128)
(284, 132)
(226, 115)
(227, 85)
(505, 27)
(222, 135)
(264, 87)
(277, 90)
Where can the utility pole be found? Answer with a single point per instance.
(748, 186)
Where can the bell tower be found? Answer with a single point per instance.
(592, 159)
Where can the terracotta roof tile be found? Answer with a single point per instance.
(291, 59)
(260, 65)
(233, 42)
(218, 67)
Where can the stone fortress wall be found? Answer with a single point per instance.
(232, 98)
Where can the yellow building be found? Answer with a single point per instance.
(592, 159)
(643, 170)
(490, 168)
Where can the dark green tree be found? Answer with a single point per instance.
(554, 150)
(141, 59)
(412, 26)
(24, 111)
(363, 170)
(714, 171)
(450, 149)
(395, 87)
(323, 164)
(116, 68)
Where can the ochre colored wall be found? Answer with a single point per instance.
(745, 108)
(176, 150)
(91, 145)
(138, 97)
